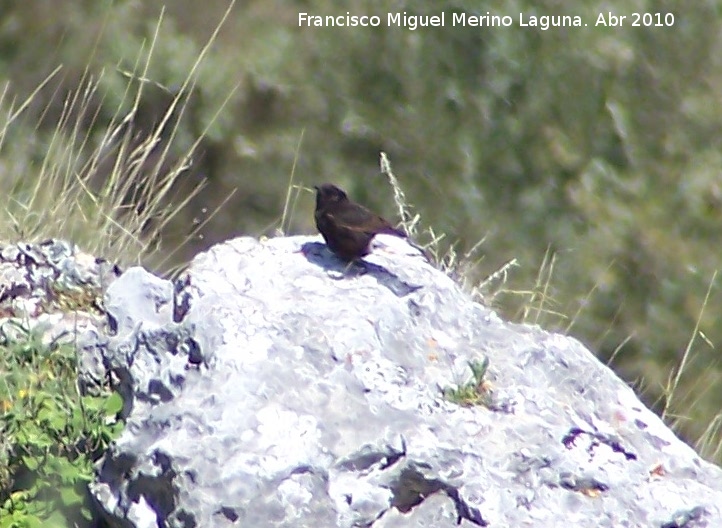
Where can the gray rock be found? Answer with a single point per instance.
(53, 289)
(281, 389)
(51, 277)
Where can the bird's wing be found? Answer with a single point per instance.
(369, 225)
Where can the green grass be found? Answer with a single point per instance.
(111, 192)
(475, 391)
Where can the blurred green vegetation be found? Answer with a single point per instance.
(597, 148)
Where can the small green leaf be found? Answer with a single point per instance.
(39, 440)
(56, 520)
(77, 420)
(93, 403)
(478, 368)
(70, 496)
(58, 422)
(114, 404)
(31, 462)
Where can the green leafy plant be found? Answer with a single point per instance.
(474, 392)
(51, 434)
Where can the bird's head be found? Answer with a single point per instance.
(329, 193)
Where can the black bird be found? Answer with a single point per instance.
(347, 227)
